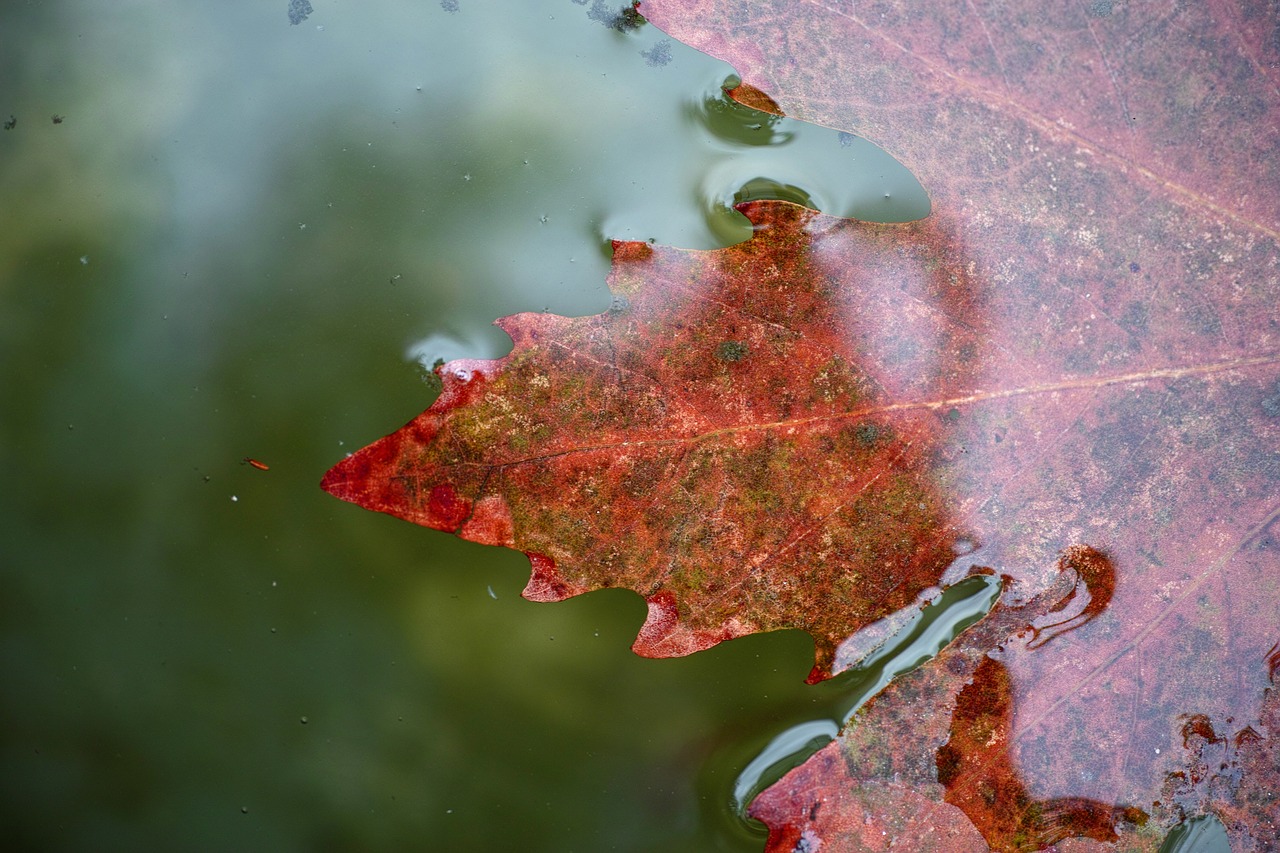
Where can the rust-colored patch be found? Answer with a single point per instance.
(745, 93)
(982, 781)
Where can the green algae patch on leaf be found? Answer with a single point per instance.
(722, 442)
(1110, 171)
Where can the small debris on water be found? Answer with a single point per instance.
(299, 10)
(492, 594)
(658, 55)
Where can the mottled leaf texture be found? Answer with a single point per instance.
(1068, 376)
(1111, 174)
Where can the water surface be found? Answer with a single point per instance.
(246, 238)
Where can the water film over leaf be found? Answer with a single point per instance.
(1111, 172)
(1066, 376)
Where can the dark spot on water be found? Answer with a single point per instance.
(621, 19)
(658, 55)
(299, 11)
(57, 119)
(11, 122)
(731, 351)
(449, 5)
(847, 139)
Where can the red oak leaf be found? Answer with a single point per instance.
(750, 437)
(1111, 174)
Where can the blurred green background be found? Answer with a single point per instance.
(246, 238)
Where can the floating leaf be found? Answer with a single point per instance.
(1066, 376)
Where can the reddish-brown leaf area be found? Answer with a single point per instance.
(982, 781)
(744, 439)
(1111, 172)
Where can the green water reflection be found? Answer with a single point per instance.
(246, 238)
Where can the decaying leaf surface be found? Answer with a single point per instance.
(1111, 172)
(742, 438)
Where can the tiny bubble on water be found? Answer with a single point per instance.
(244, 810)
(303, 721)
(234, 499)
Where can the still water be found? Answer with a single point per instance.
(243, 237)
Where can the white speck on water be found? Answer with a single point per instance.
(302, 226)
(84, 259)
(492, 594)
(234, 499)
(467, 176)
